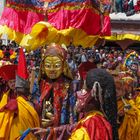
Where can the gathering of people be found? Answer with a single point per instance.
(130, 7)
(75, 94)
(61, 78)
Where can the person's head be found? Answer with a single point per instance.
(110, 58)
(134, 67)
(101, 51)
(8, 73)
(54, 62)
(125, 84)
(11, 84)
(90, 56)
(101, 95)
(128, 85)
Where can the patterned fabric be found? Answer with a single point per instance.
(58, 2)
(62, 99)
(25, 3)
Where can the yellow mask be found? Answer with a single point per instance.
(53, 67)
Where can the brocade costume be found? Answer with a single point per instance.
(93, 127)
(62, 98)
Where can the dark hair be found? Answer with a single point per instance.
(109, 95)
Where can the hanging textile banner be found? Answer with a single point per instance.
(19, 16)
(81, 22)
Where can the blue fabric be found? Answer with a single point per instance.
(57, 2)
(72, 101)
(63, 115)
(68, 112)
(35, 95)
(36, 3)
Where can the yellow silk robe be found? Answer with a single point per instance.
(130, 127)
(11, 126)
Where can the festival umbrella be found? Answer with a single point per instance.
(81, 22)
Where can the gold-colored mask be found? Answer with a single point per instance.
(53, 67)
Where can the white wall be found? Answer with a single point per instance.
(4, 36)
(1, 6)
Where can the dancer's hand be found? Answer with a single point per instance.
(41, 132)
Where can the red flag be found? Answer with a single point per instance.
(22, 66)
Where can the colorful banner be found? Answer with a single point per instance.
(19, 16)
(79, 21)
(26, 4)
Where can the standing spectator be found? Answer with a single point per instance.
(118, 4)
(97, 56)
(83, 56)
(71, 63)
(136, 5)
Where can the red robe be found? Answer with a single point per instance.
(93, 127)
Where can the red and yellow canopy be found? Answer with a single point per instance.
(79, 21)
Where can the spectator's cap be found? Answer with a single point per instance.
(96, 51)
(8, 72)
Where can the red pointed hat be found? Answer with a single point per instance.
(22, 74)
(22, 66)
(8, 72)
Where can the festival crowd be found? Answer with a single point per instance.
(69, 93)
(130, 7)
